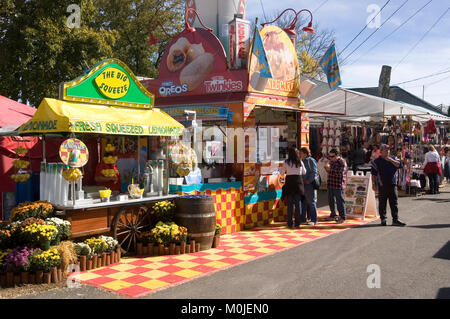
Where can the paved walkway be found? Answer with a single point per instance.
(136, 277)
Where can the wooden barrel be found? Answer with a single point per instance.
(198, 215)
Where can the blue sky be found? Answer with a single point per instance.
(348, 17)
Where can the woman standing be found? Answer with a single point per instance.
(293, 188)
(310, 204)
(432, 169)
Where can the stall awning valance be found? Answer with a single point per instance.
(358, 106)
(56, 116)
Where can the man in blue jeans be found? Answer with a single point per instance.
(337, 174)
(384, 172)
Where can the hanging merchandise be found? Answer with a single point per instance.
(431, 127)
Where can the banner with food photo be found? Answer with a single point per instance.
(194, 63)
(359, 196)
(283, 60)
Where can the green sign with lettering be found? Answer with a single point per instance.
(109, 82)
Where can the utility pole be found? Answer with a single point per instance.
(384, 84)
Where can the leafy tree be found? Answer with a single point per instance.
(39, 50)
(131, 20)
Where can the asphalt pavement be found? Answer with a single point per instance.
(364, 262)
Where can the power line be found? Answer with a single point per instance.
(405, 22)
(425, 77)
(264, 12)
(376, 29)
(364, 28)
(423, 37)
(317, 9)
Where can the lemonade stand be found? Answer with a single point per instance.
(105, 110)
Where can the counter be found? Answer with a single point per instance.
(98, 204)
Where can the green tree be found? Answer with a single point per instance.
(131, 20)
(39, 50)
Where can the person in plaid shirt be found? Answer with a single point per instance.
(337, 173)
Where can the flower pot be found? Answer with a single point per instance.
(16, 279)
(82, 263)
(94, 261)
(39, 276)
(9, 279)
(216, 241)
(192, 243)
(155, 250)
(54, 275)
(60, 275)
(2, 280)
(161, 250)
(166, 250)
(183, 248)
(118, 254)
(103, 259)
(139, 250)
(188, 249)
(172, 249)
(32, 278)
(177, 249)
(24, 277)
(108, 259)
(149, 250)
(89, 264)
(47, 278)
(197, 247)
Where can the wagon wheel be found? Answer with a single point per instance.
(128, 225)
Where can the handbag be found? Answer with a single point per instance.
(317, 181)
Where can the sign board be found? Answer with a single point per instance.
(283, 62)
(110, 82)
(194, 63)
(239, 42)
(74, 153)
(359, 196)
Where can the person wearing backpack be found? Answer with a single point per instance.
(309, 208)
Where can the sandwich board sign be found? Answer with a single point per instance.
(359, 196)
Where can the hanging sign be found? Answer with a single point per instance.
(109, 82)
(74, 153)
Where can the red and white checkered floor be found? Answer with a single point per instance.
(135, 277)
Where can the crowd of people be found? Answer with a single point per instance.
(301, 170)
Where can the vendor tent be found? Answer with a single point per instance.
(356, 106)
(13, 114)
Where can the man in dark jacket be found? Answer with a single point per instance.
(384, 172)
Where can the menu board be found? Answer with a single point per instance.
(359, 196)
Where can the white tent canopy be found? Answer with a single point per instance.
(356, 106)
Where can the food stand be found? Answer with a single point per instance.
(108, 109)
(247, 119)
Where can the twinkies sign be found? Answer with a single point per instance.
(219, 84)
